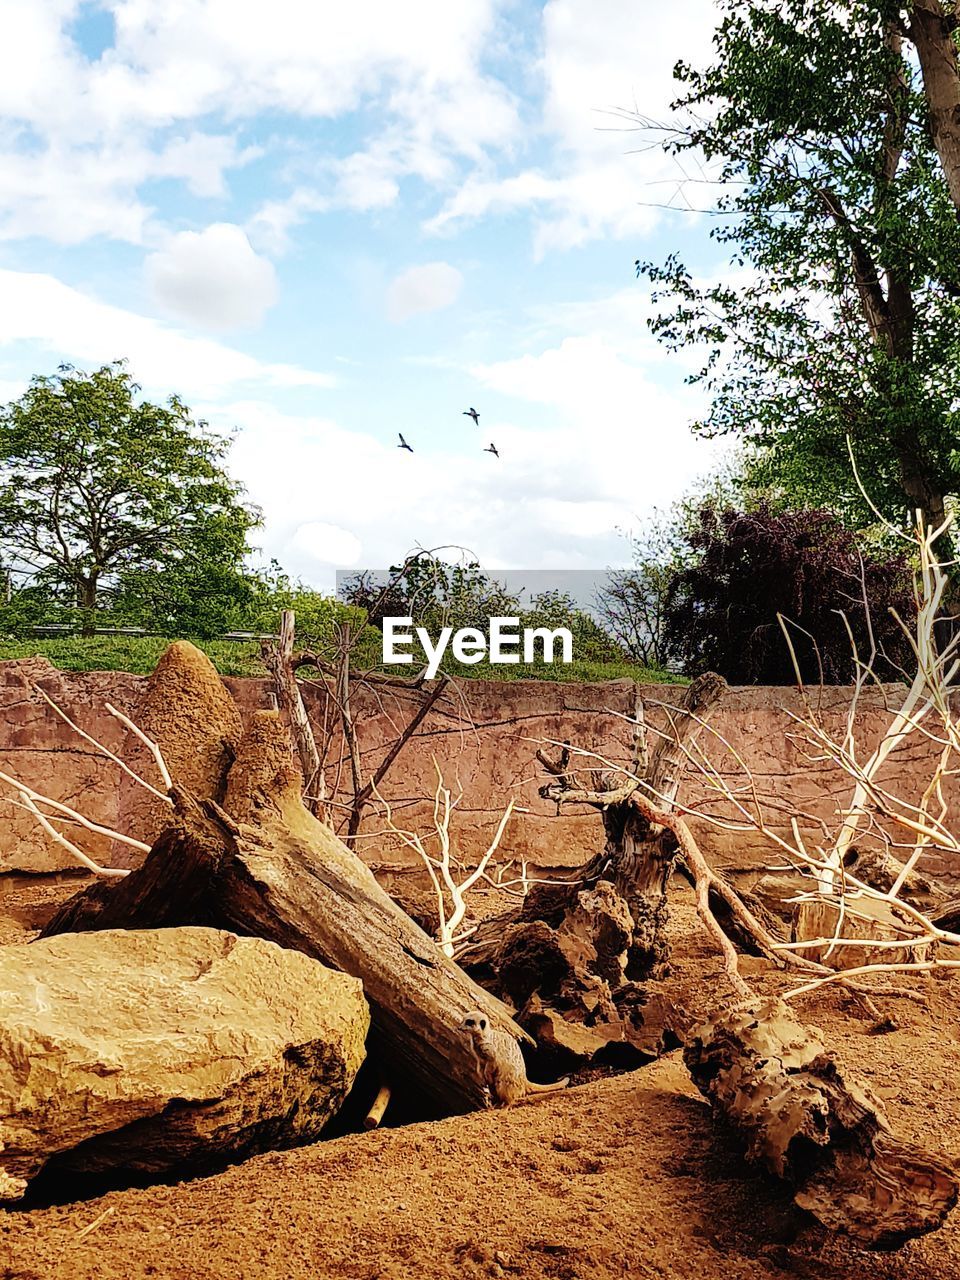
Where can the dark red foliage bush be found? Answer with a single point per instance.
(745, 567)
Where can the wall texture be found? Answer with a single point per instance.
(484, 741)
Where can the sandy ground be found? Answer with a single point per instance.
(622, 1177)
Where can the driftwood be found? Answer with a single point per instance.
(262, 865)
(278, 659)
(875, 922)
(787, 1098)
(581, 948)
(879, 867)
(638, 856)
(947, 916)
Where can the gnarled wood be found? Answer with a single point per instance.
(580, 947)
(774, 1082)
(637, 856)
(262, 865)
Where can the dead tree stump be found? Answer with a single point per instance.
(582, 948)
(799, 1117)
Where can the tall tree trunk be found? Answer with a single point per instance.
(923, 493)
(931, 31)
(88, 604)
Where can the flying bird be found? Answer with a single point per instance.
(403, 444)
(472, 413)
(492, 449)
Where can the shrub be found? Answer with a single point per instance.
(746, 568)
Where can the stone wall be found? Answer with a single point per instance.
(484, 743)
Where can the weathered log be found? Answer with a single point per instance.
(637, 857)
(262, 865)
(776, 890)
(579, 952)
(819, 921)
(787, 1098)
(947, 916)
(879, 867)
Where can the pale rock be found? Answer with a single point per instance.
(166, 1050)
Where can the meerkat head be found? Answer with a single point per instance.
(475, 1023)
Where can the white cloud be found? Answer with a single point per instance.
(41, 72)
(240, 57)
(212, 278)
(361, 181)
(201, 160)
(554, 498)
(611, 444)
(270, 226)
(601, 58)
(429, 287)
(326, 544)
(426, 134)
(42, 310)
(102, 127)
(592, 199)
(71, 194)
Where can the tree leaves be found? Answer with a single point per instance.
(98, 486)
(843, 316)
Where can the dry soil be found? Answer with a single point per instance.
(626, 1176)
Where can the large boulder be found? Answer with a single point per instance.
(169, 1050)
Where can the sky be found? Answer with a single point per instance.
(322, 224)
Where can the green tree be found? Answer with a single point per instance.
(434, 592)
(591, 643)
(105, 495)
(842, 316)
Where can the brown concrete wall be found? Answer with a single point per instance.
(485, 744)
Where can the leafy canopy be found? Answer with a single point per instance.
(102, 493)
(841, 316)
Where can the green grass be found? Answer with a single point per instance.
(139, 654)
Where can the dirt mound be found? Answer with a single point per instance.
(185, 708)
(188, 712)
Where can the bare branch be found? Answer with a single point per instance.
(102, 749)
(74, 851)
(147, 742)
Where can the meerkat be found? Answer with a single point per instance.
(500, 1063)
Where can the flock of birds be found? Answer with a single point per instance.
(467, 413)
